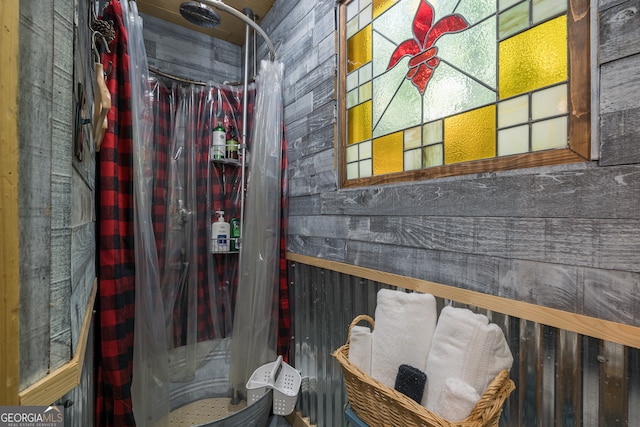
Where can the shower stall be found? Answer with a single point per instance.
(205, 318)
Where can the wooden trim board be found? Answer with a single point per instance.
(585, 325)
(67, 377)
(9, 215)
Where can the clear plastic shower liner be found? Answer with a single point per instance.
(192, 306)
(150, 374)
(255, 325)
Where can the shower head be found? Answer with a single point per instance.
(199, 14)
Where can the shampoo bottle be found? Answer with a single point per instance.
(220, 231)
(218, 141)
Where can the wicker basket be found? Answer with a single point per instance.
(381, 406)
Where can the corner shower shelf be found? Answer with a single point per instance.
(232, 162)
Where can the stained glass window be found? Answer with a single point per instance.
(444, 87)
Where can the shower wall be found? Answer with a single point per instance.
(186, 53)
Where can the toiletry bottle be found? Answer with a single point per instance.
(220, 234)
(234, 223)
(218, 141)
(232, 144)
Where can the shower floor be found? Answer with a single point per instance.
(203, 411)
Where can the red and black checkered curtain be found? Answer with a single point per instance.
(115, 228)
(214, 188)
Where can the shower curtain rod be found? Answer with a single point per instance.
(190, 81)
(222, 6)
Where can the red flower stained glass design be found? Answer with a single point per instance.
(421, 47)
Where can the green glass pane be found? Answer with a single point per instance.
(353, 7)
(365, 4)
(470, 136)
(460, 91)
(432, 132)
(513, 140)
(412, 137)
(433, 155)
(382, 52)
(366, 168)
(513, 111)
(475, 11)
(365, 150)
(413, 159)
(352, 27)
(365, 15)
(365, 73)
(503, 4)
(549, 134)
(353, 170)
(513, 20)
(545, 9)
(549, 102)
(352, 153)
(534, 59)
(472, 52)
(352, 98)
(352, 81)
(365, 92)
(395, 108)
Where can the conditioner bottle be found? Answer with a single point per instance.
(220, 231)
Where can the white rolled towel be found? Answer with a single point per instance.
(467, 347)
(404, 327)
(457, 400)
(360, 348)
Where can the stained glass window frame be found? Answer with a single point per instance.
(578, 146)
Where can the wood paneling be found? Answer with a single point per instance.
(9, 187)
(60, 381)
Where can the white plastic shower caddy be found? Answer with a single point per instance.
(280, 377)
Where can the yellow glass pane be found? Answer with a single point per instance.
(534, 58)
(379, 6)
(359, 123)
(359, 49)
(470, 136)
(387, 154)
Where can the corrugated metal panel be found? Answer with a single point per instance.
(562, 378)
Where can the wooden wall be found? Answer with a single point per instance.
(566, 237)
(56, 196)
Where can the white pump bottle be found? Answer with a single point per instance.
(220, 232)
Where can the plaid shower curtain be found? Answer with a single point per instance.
(115, 236)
